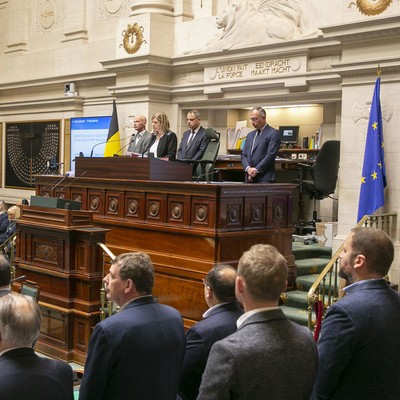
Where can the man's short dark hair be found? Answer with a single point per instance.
(5, 271)
(376, 246)
(221, 279)
(138, 267)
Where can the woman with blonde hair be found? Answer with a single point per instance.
(163, 143)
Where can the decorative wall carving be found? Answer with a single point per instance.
(371, 7)
(47, 15)
(247, 23)
(107, 9)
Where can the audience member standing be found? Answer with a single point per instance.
(219, 321)
(5, 275)
(194, 141)
(163, 142)
(136, 353)
(268, 357)
(260, 149)
(141, 138)
(23, 374)
(359, 346)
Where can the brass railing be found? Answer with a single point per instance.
(107, 306)
(326, 289)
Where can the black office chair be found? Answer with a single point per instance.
(204, 171)
(324, 173)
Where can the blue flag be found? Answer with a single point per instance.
(373, 179)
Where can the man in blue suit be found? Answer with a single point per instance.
(359, 347)
(194, 141)
(219, 321)
(260, 149)
(136, 353)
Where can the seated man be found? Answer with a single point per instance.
(23, 374)
(5, 275)
(219, 321)
(194, 142)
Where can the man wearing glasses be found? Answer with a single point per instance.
(260, 149)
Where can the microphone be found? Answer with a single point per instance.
(20, 278)
(74, 180)
(61, 180)
(107, 141)
(151, 141)
(52, 183)
(123, 147)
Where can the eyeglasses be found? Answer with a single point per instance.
(205, 283)
(254, 119)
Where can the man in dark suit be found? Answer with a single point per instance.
(260, 149)
(23, 374)
(136, 353)
(194, 142)
(219, 321)
(359, 346)
(3, 221)
(5, 275)
(268, 357)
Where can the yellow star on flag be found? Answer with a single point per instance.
(375, 125)
(374, 175)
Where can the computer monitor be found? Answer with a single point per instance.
(289, 135)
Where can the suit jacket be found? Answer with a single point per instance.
(24, 375)
(4, 291)
(166, 146)
(196, 148)
(3, 226)
(220, 323)
(264, 152)
(135, 354)
(141, 145)
(268, 357)
(359, 346)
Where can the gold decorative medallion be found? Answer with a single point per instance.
(133, 38)
(371, 7)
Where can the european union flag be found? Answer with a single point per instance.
(373, 179)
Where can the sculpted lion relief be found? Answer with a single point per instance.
(256, 22)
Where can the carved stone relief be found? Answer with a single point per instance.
(47, 15)
(247, 23)
(107, 9)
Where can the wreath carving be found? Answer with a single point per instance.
(371, 7)
(133, 38)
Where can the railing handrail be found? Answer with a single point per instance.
(314, 293)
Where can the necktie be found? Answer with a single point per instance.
(255, 139)
(191, 136)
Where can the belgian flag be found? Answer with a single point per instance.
(113, 144)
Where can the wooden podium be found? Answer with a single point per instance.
(125, 167)
(57, 248)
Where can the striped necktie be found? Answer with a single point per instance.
(255, 138)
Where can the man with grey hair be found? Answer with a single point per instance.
(137, 352)
(268, 357)
(141, 138)
(5, 275)
(260, 149)
(23, 374)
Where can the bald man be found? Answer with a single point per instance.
(141, 138)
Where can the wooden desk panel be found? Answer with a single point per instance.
(185, 227)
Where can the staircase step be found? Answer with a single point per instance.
(302, 251)
(295, 298)
(311, 266)
(305, 282)
(296, 315)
